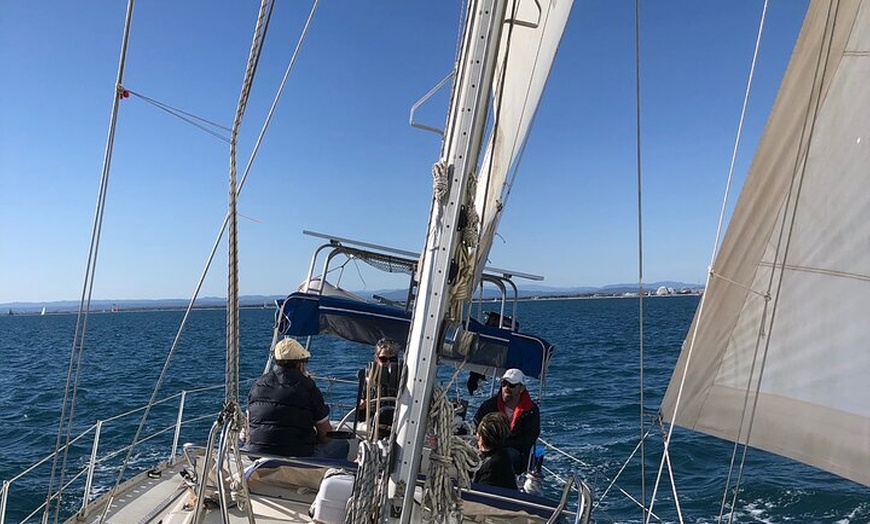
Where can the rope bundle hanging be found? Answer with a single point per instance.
(464, 255)
(451, 454)
(439, 181)
(369, 487)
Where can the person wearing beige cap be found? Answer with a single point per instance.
(514, 402)
(286, 412)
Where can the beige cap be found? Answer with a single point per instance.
(289, 349)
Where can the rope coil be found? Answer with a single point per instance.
(458, 463)
(369, 487)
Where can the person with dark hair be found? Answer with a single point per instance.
(524, 418)
(383, 382)
(388, 366)
(286, 412)
(495, 466)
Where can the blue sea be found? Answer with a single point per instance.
(590, 405)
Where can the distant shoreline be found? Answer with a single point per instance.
(36, 310)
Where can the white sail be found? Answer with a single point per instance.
(789, 298)
(523, 67)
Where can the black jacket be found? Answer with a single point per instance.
(496, 470)
(283, 407)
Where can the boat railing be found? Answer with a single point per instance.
(563, 501)
(97, 462)
(584, 501)
(94, 462)
(393, 260)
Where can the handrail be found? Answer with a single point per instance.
(423, 100)
(94, 459)
(92, 465)
(584, 504)
(53, 496)
(584, 501)
(46, 459)
(563, 500)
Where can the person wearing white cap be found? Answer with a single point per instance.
(514, 402)
(286, 412)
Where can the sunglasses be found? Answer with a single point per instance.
(506, 384)
(387, 359)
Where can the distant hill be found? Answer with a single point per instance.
(67, 306)
(525, 291)
(540, 291)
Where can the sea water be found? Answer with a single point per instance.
(590, 404)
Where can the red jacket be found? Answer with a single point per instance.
(525, 424)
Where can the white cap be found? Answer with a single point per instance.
(289, 349)
(514, 376)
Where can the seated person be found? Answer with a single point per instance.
(496, 468)
(515, 403)
(384, 379)
(286, 412)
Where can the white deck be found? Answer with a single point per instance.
(277, 496)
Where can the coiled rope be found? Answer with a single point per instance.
(441, 498)
(369, 488)
(439, 181)
(465, 259)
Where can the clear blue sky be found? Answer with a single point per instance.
(341, 158)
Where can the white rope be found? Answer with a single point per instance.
(373, 404)
(465, 259)
(371, 482)
(364, 506)
(441, 497)
(439, 181)
(693, 335)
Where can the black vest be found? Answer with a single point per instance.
(280, 414)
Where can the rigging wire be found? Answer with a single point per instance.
(206, 125)
(694, 330)
(611, 482)
(223, 227)
(639, 251)
(693, 334)
(78, 346)
(792, 199)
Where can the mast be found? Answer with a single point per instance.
(460, 151)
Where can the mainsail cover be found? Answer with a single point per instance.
(526, 55)
(789, 298)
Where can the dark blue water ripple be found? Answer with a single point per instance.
(591, 405)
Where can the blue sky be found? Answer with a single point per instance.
(340, 156)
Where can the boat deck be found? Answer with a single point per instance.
(280, 492)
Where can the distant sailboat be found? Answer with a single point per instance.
(42, 312)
